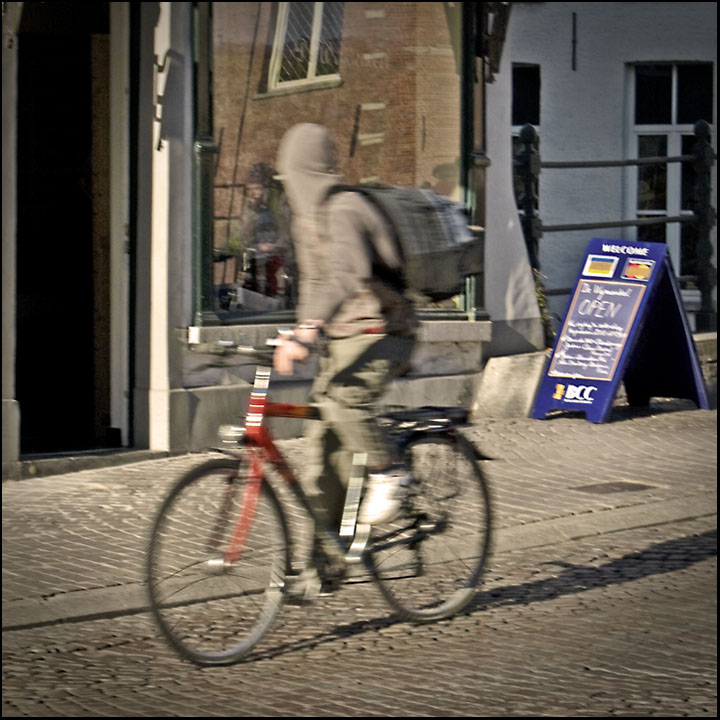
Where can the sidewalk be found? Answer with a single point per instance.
(74, 544)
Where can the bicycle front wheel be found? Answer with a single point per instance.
(428, 562)
(217, 562)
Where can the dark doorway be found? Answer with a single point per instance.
(62, 370)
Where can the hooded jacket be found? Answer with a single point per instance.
(347, 255)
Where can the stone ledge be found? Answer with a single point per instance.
(445, 347)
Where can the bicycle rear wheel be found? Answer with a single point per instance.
(428, 562)
(217, 562)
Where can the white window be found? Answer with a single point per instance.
(306, 49)
(667, 100)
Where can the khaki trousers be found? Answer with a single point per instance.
(352, 377)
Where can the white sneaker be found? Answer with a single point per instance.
(383, 497)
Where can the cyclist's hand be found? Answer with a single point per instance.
(306, 334)
(287, 353)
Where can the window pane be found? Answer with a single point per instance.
(651, 233)
(296, 50)
(688, 174)
(652, 179)
(688, 252)
(695, 93)
(328, 62)
(526, 95)
(394, 119)
(653, 94)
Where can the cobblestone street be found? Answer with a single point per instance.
(600, 599)
(622, 624)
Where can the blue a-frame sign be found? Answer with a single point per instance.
(625, 322)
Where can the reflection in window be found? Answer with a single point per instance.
(652, 179)
(256, 263)
(395, 119)
(307, 42)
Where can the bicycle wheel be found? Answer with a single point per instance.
(217, 562)
(428, 562)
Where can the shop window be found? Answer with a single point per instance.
(393, 109)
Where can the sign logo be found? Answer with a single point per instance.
(638, 270)
(575, 393)
(600, 266)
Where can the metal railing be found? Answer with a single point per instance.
(527, 166)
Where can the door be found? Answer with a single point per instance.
(63, 330)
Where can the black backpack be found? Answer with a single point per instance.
(438, 248)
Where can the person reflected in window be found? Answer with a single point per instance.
(262, 238)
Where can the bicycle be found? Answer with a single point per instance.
(221, 554)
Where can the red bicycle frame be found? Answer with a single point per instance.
(259, 444)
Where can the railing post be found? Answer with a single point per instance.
(705, 217)
(527, 164)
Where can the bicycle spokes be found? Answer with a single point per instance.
(216, 579)
(428, 561)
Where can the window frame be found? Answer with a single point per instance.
(274, 83)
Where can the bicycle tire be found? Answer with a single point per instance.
(429, 561)
(213, 611)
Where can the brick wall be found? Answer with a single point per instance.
(394, 115)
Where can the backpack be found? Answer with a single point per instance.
(438, 248)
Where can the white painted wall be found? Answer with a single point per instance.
(584, 114)
(170, 270)
(509, 286)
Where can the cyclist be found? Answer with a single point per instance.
(351, 295)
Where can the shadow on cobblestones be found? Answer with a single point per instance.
(657, 559)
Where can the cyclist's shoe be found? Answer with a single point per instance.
(303, 589)
(321, 577)
(384, 496)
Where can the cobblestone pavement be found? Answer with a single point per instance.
(600, 600)
(619, 624)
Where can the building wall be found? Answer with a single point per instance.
(395, 116)
(584, 110)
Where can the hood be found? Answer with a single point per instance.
(307, 166)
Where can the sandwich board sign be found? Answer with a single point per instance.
(625, 322)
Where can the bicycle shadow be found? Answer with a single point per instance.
(657, 559)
